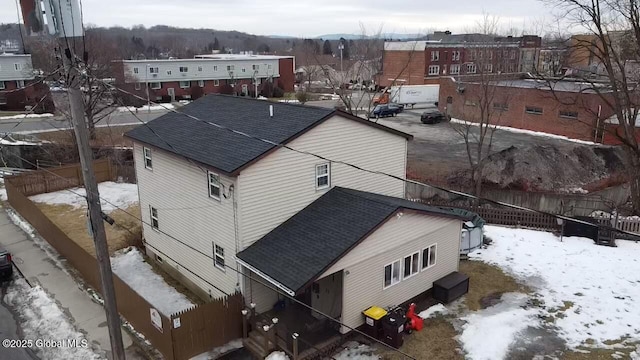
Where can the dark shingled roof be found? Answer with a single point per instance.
(303, 247)
(222, 149)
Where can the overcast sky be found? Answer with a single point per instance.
(306, 18)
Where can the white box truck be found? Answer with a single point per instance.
(412, 95)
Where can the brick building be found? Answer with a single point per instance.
(425, 62)
(19, 89)
(174, 79)
(572, 109)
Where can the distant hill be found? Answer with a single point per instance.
(394, 36)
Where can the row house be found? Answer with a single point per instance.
(17, 91)
(424, 62)
(172, 79)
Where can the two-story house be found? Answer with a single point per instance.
(230, 212)
(16, 76)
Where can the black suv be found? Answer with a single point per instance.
(6, 268)
(432, 117)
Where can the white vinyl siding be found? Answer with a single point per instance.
(291, 173)
(412, 232)
(176, 183)
(16, 67)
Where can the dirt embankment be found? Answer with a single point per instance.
(569, 169)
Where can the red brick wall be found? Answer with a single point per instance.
(407, 65)
(287, 75)
(29, 96)
(586, 105)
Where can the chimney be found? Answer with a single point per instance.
(270, 110)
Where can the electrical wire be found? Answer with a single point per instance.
(33, 83)
(376, 172)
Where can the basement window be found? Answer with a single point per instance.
(429, 256)
(568, 114)
(533, 110)
(392, 274)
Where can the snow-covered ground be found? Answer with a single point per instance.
(530, 132)
(219, 351)
(277, 355)
(437, 309)
(27, 116)
(590, 293)
(356, 351)
(129, 265)
(146, 108)
(41, 319)
(112, 195)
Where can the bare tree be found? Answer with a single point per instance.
(482, 95)
(611, 45)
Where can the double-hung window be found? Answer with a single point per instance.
(214, 185)
(184, 69)
(323, 176)
(218, 256)
(154, 218)
(148, 163)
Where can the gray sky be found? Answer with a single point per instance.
(306, 18)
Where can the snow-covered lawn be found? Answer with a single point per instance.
(146, 108)
(112, 195)
(28, 116)
(529, 132)
(41, 318)
(590, 293)
(129, 265)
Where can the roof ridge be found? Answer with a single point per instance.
(270, 102)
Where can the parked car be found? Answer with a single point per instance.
(382, 111)
(432, 117)
(397, 107)
(6, 266)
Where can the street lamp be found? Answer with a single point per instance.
(341, 47)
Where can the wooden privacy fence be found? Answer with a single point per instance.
(178, 336)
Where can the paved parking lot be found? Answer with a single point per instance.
(438, 150)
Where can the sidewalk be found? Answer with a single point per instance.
(39, 268)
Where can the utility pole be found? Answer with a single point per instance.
(73, 77)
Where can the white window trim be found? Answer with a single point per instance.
(201, 83)
(135, 70)
(2, 85)
(435, 260)
(146, 155)
(436, 68)
(153, 87)
(17, 66)
(399, 262)
(456, 67)
(435, 55)
(20, 84)
(199, 68)
(210, 184)
(185, 87)
(328, 175)
(411, 273)
(156, 218)
(472, 66)
(154, 70)
(183, 69)
(216, 82)
(215, 67)
(216, 255)
(138, 86)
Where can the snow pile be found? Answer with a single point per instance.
(277, 355)
(433, 311)
(130, 267)
(27, 116)
(589, 291)
(112, 196)
(355, 350)
(146, 108)
(219, 351)
(488, 334)
(529, 132)
(41, 318)
(3, 191)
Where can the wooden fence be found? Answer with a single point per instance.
(196, 330)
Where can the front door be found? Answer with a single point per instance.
(172, 94)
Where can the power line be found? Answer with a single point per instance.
(33, 83)
(376, 172)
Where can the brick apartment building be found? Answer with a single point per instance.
(425, 62)
(18, 87)
(175, 79)
(572, 109)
